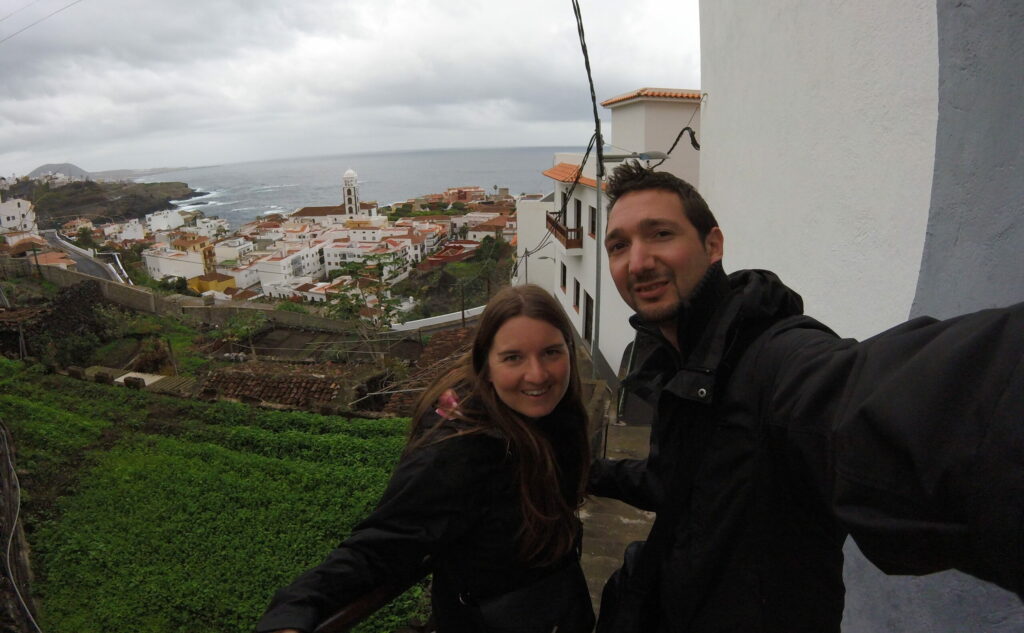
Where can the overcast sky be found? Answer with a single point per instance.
(111, 84)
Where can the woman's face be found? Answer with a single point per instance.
(529, 366)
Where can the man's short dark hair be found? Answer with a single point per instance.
(632, 176)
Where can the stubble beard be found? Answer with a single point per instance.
(657, 315)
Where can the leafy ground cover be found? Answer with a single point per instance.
(151, 513)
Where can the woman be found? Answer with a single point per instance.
(486, 493)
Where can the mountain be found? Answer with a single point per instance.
(69, 170)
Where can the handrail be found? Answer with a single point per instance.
(346, 618)
(363, 607)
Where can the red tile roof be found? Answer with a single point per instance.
(318, 212)
(566, 172)
(653, 93)
(215, 277)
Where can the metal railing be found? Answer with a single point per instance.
(569, 237)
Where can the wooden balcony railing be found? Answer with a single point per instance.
(571, 239)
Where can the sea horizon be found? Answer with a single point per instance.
(242, 192)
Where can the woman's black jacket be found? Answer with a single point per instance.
(453, 501)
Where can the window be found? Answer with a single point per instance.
(576, 294)
(579, 214)
(588, 318)
(593, 221)
(562, 284)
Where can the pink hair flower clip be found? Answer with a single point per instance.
(448, 405)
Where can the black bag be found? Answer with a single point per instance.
(627, 604)
(558, 602)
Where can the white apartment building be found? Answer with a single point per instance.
(164, 220)
(644, 120)
(340, 252)
(535, 246)
(17, 215)
(208, 227)
(284, 266)
(121, 231)
(472, 219)
(163, 262)
(237, 249)
(246, 275)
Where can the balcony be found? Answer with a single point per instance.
(571, 239)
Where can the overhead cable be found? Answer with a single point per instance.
(45, 17)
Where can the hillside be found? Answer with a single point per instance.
(72, 171)
(104, 202)
(151, 513)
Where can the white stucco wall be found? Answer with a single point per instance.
(652, 125)
(818, 139)
(532, 227)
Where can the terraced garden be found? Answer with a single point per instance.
(152, 513)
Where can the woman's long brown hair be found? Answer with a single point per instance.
(549, 524)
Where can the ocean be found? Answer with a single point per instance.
(242, 192)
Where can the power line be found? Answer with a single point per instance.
(19, 10)
(45, 17)
(593, 96)
(686, 128)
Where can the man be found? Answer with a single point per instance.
(773, 438)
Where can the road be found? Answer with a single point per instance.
(85, 264)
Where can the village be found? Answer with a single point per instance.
(314, 254)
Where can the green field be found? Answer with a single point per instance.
(155, 514)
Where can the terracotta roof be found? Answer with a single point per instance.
(318, 212)
(215, 277)
(55, 258)
(304, 288)
(653, 93)
(566, 172)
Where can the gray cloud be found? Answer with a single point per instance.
(114, 83)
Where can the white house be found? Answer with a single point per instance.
(163, 262)
(286, 265)
(535, 246)
(644, 120)
(246, 275)
(164, 220)
(236, 249)
(208, 227)
(17, 215)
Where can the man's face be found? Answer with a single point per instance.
(655, 254)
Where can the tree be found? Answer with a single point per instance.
(84, 239)
(243, 326)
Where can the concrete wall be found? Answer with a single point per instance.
(871, 154)
(974, 253)
(144, 300)
(818, 135)
(651, 125)
(539, 268)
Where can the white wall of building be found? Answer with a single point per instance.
(17, 215)
(132, 230)
(539, 267)
(164, 220)
(652, 125)
(818, 140)
(165, 262)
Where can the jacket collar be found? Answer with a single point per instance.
(720, 309)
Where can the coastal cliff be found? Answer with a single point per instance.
(102, 202)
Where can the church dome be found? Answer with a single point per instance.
(350, 174)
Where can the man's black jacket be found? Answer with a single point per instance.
(773, 438)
